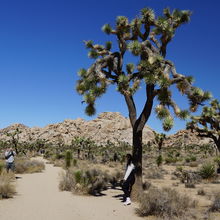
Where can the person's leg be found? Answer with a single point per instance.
(7, 167)
(12, 167)
(125, 188)
(131, 183)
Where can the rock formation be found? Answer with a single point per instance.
(107, 126)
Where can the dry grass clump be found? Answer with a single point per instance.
(216, 203)
(7, 189)
(2, 166)
(29, 166)
(91, 181)
(154, 173)
(164, 203)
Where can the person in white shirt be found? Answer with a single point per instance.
(9, 157)
(128, 180)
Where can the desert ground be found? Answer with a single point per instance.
(38, 197)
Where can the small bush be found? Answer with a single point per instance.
(190, 185)
(146, 185)
(90, 181)
(7, 189)
(207, 171)
(216, 203)
(164, 203)
(68, 159)
(170, 159)
(154, 174)
(2, 165)
(29, 166)
(201, 192)
(217, 161)
(74, 162)
(159, 160)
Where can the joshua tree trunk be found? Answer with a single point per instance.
(137, 154)
(138, 126)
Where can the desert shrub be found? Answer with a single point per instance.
(146, 185)
(164, 202)
(59, 156)
(91, 181)
(28, 166)
(190, 185)
(217, 161)
(201, 192)
(68, 159)
(191, 158)
(170, 159)
(216, 203)
(154, 173)
(2, 165)
(115, 178)
(207, 171)
(48, 154)
(7, 189)
(74, 162)
(179, 169)
(159, 160)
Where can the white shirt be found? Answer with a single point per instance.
(11, 158)
(128, 171)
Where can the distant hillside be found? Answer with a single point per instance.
(107, 126)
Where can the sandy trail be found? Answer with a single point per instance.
(38, 198)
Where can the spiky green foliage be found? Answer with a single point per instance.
(135, 48)
(107, 29)
(207, 124)
(168, 123)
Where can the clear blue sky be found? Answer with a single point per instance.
(41, 50)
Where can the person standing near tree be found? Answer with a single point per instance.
(128, 180)
(9, 157)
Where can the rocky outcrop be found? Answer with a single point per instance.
(185, 137)
(107, 126)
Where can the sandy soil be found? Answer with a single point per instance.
(38, 198)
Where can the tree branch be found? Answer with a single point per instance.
(147, 108)
(131, 109)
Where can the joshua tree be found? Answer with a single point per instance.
(159, 139)
(146, 37)
(14, 135)
(208, 123)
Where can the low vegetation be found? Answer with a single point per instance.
(29, 166)
(165, 203)
(87, 181)
(7, 188)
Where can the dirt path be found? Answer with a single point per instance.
(38, 198)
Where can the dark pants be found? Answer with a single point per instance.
(127, 185)
(10, 166)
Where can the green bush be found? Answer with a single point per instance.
(170, 159)
(207, 171)
(74, 162)
(159, 160)
(68, 159)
